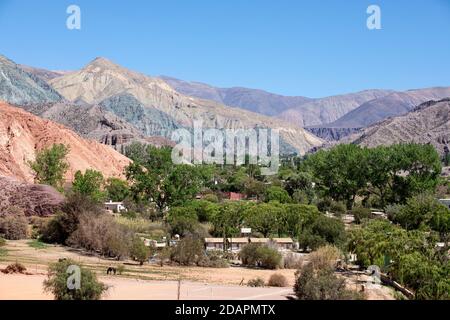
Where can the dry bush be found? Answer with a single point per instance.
(188, 251)
(277, 280)
(254, 254)
(14, 226)
(325, 257)
(292, 261)
(213, 259)
(257, 282)
(322, 284)
(38, 226)
(15, 268)
(103, 235)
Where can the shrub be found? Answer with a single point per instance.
(59, 229)
(322, 284)
(292, 261)
(14, 226)
(139, 251)
(325, 257)
(38, 226)
(361, 213)
(120, 269)
(338, 208)
(269, 258)
(15, 268)
(277, 280)
(393, 210)
(257, 282)
(248, 254)
(324, 204)
(2, 242)
(213, 259)
(254, 254)
(56, 283)
(211, 198)
(163, 255)
(102, 234)
(188, 251)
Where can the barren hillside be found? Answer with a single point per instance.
(22, 135)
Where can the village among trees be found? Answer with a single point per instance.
(345, 206)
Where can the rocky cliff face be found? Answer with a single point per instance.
(149, 121)
(22, 135)
(20, 87)
(105, 83)
(94, 122)
(34, 200)
(332, 134)
(429, 123)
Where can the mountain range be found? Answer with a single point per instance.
(148, 103)
(394, 104)
(116, 106)
(428, 123)
(330, 118)
(254, 100)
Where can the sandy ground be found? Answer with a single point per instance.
(29, 287)
(37, 261)
(149, 282)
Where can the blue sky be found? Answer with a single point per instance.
(293, 47)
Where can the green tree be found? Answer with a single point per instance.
(340, 172)
(117, 189)
(263, 218)
(182, 221)
(254, 188)
(154, 178)
(50, 166)
(299, 181)
(58, 276)
(421, 212)
(275, 193)
(89, 184)
(295, 218)
(322, 231)
(204, 209)
(229, 218)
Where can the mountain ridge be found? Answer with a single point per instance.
(102, 79)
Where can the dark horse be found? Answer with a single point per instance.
(111, 270)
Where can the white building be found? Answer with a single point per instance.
(116, 207)
(236, 244)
